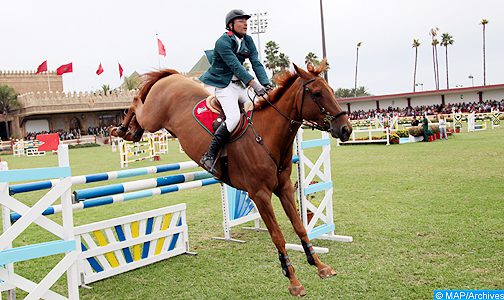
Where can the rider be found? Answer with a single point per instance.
(229, 79)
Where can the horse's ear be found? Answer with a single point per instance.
(302, 73)
(322, 67)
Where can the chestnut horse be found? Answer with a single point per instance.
(260, 162)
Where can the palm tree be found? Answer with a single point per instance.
(356, 64)
(484, 22)
(8, 103)
(275, 61)
(283, 61)
(446, 40)
(106, 89)
(415, 45)
(312, 58)
(271, 52)
(435, 42)
(132, 82)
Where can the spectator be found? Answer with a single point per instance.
(442, 127)
(414, 122)
(425, 125)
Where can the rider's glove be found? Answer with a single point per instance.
(258, 88)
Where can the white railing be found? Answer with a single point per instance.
(5, 146)
(86, 139)
(354, 139)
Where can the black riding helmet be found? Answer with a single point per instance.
(235, 13)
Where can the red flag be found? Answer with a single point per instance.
(161, 48)
(64, 69)
(120, 71)
(100, 70)
(42, 67)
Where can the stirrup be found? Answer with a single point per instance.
(208, 163)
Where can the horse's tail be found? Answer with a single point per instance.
(151, 78)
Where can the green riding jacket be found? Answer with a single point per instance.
(228, 61)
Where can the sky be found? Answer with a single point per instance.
(111, 32)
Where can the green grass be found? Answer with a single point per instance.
(423, 216)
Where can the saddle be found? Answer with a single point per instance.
(208, 113)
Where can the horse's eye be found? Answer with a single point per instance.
(317, 94)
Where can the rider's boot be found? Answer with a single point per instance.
(221, 136)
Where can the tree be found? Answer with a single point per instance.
(446, 40)
(415, 45)
(132, 82)
(283, 61)
(8, 103)
(484, 22)
(275, 60)
(271, 52)
(312, 58)
(435, 42)
(359, 44)
(105, 89)
(348, 93)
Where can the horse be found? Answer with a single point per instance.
(260, 162)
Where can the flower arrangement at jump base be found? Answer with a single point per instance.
(418, 131)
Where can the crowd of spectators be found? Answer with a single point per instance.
(103, 131)
(71, 134)
(434, 109)
(478, 107)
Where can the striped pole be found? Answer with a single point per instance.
(138, 185)
(82, 179)
(126, 197)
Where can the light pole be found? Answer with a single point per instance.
(258, 25)
(359, 44)
(324, 54)
(472, 79)
(419, 84)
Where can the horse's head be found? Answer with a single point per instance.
(318, 103)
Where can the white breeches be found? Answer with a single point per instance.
(229, 97)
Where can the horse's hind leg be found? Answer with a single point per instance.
(285, 192)
(262, 199)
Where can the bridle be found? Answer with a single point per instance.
(328, 117)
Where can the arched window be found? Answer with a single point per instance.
(75, 123)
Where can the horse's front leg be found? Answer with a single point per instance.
(285, 192)
(129, 128)
(262, 199)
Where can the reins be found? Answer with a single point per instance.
(328, 117)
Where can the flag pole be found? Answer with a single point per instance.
(158, 59)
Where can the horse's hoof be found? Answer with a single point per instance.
(297, 291)
(112, 131)
(326, 272)
(120, 132)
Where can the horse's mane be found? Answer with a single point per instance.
(149, 79)
(285, 79)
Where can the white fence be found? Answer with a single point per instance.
(142, 239)
(369, 133)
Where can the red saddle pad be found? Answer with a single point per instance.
(204, 115)
(206, 118)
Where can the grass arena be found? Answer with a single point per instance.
(423, 216)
